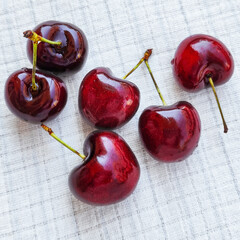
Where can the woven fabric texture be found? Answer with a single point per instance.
(198, 198)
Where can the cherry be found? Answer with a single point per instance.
(108, 102)
(169, 133)
(70, 55)
(109, 173)
(201, 61)
(39, 105)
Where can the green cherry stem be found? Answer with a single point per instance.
(154, 81)
(51, 133)
(34, 86)
(147, 54)
(218, 103)
(36, 39)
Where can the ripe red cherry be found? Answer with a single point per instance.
(198, 57)
(201, 61)
(69, 56)
(105, 101)
(35, 106)
(169, 133)
(109, 173)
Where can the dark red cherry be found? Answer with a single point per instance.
(35, 106)
(109, 173)
(170, 133)
(199, 57)
(105, 101)
(70, 55)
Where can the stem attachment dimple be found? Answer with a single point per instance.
(154, 81)
(35, 38)
(146, 56)
(51, 133)
(218, 103)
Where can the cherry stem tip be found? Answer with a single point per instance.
(28, 34)
(146, 56)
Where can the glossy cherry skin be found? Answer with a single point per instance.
(35, 106)
(105, 101)
(198, 57)
(109, 173)
(170, 133)
(70, 56)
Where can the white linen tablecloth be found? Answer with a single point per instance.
(198, 198)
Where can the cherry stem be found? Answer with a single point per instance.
(219, 106)
(36, 39)
(154, 81)
(34, 86)
(147, 54)
(51, 133)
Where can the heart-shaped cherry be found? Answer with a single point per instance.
(201, 61)
(108, 102)
(39, 105)
(109, 173)
(69, 56)
(169, 133)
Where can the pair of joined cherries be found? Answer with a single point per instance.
(110, 170)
